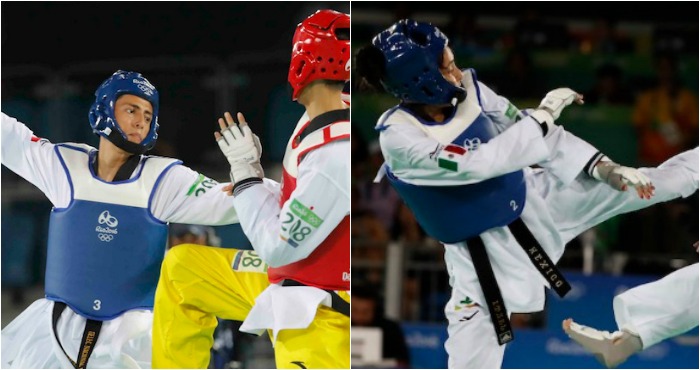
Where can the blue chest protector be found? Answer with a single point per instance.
(104, 258)
(453, 214)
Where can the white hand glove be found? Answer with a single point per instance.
(238, 143)
(552, 105)
(256, 165)
(556, 100)
(620, 177)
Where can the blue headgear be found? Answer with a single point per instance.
(101, 114)
(412, 51)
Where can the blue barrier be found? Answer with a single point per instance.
(426, 345)
(590, 300)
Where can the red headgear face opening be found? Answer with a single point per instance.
(321, 50)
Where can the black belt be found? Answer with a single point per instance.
(90, 334)
(337, 303)
(489, 285)
(539, 258)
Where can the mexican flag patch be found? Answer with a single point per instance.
(449, 157)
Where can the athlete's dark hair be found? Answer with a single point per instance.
(370, 67)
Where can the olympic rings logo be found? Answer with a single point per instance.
(105, 237)
(472, 144)
(106, 218)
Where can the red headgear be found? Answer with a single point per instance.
(318, 52)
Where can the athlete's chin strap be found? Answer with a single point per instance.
(117, 139)
(461, 95)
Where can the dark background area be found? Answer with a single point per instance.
(204, 58)
(635, 11)
(60, 33)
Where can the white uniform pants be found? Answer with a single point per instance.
(661, 309)
(28, 341)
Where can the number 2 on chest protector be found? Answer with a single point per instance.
(97, 305)
(514, 205)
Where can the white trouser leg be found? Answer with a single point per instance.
(661, 309)
(588, 202)
(472, 342)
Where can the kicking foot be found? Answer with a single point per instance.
(610, 349)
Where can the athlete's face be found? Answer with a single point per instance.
(449, 69)
(133, 115)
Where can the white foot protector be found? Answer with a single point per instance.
(610, 349)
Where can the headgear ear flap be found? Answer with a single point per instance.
(299, 67)
(101, 113)
(321, 50)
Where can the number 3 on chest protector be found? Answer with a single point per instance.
(97, 305)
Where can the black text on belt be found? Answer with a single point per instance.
(489, 285)
(539, 258)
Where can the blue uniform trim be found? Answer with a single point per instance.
(94, 175)
(73, 147)
(476, 85)
(65, 169)
(155, 186)
(380, 125)
(431, 123)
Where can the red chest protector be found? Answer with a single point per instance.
(328, 266)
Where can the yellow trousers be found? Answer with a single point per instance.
(199, 283)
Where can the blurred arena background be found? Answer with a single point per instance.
(204, 58)
(522, 50)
